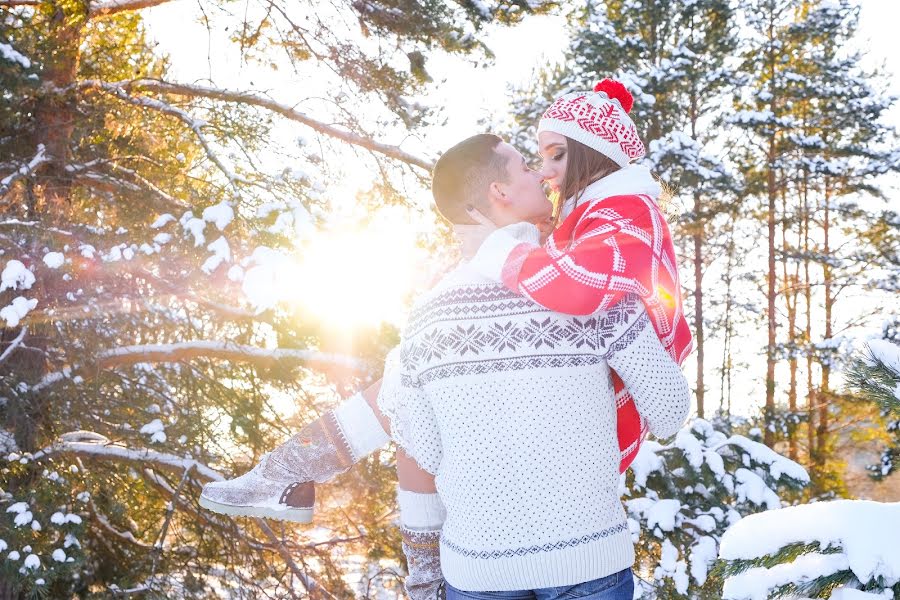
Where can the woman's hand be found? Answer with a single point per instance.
(546, 227)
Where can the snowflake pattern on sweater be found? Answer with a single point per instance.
(511, 406)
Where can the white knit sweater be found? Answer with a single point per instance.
(511, 407)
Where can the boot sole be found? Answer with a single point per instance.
(295, 515)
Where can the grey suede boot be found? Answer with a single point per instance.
(282, 485)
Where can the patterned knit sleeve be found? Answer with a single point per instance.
(413, 424)
(585, 274)
(655, 381)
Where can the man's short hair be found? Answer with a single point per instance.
(463, 175)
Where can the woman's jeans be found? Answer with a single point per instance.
(618, 586)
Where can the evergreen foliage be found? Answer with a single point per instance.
(682, 496)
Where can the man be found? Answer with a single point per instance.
(509, 405)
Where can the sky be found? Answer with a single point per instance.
(470, 95)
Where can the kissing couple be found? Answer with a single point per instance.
(525, 379)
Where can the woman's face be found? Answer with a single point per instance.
(553, 150)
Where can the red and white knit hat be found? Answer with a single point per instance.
(597, 119)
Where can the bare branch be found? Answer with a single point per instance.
(24, 171)
(111, 7)
(170, 512)
(251, 98)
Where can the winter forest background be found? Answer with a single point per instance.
(206, 241)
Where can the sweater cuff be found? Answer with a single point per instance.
(495, 251)
(513, 266)
(420, 512)
(362, 430)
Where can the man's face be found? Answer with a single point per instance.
(525, 196)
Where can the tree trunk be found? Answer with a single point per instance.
(55, 115)
(769, 416)
(769, 435)
(790, 298)
(698, 272)
(807, 294)
(824, 388)
(725, 402)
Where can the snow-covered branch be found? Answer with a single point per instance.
(223, 350)
(254, 99)
(13, 345)
(105, 523)
(101, 448)
(25, 170)
(108, 183)
(167, 353)
(121, 91)
(111, 7)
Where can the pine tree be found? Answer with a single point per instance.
(686, 493)
(149, 341)
(875, 376)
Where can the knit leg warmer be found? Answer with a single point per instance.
(421, 517)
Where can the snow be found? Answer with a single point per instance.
(886, 352)
(57, 518)
(865, 531)
(23, 518)
(16, 276)
(15, 312)
(235, 273)
(670, 566)
(32, 562)
(3, 545)
(262, 283)
(12, 55)
(662, 514)
(59, 555)
(703, 555)
(777, 464)
(221, 214)
(156, 430)
(755, 583)
(162, 238)
(851, 594)
(54, 260)
(221, 253)
(162, 220)
(7, 442)
(750, 487)
(646, 462)
(14, 555)
(18, 507)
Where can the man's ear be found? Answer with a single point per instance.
(497, 195)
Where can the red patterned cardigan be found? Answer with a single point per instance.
(606, 248)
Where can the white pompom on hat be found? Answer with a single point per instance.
(599, 120)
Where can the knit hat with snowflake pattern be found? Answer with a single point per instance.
(597, 119)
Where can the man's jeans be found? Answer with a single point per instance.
(618, 586)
